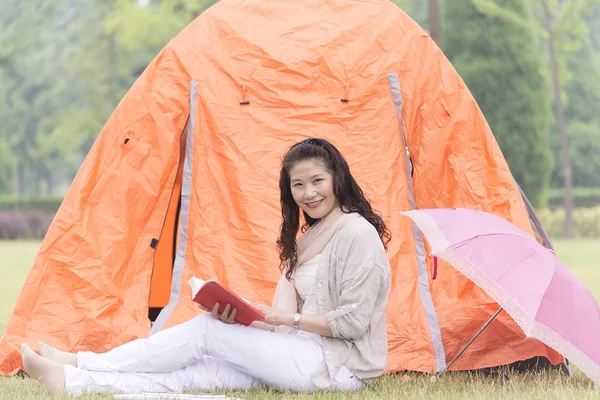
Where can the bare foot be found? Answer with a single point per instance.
(61, 357)
(50, 373)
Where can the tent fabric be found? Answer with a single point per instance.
(183, 232)
(424, 288)
(290, 63)
(162, 268)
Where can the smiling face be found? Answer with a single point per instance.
(312, 188)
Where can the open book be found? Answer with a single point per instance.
(207, 293)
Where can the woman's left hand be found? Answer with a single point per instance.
(274, 316)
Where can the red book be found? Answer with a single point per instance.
(207, 293)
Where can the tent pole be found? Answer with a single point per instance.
(568, 368)
(471, 341)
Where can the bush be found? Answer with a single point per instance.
(48, 205)
(24, 225)
(586, 222)
(582, 197)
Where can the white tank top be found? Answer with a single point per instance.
(305, 281)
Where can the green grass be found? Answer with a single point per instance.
(582, 257)
(15, 260)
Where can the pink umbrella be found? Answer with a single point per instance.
(534, 287)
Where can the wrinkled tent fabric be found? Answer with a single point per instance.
(291, 64)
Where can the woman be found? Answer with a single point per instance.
(327, 327)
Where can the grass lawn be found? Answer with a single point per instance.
(582, 257)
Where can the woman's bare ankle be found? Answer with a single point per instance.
(53, 354)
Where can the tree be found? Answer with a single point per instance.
(582, 102)
(35, 40)
(118, 39)
(18, 35)
(435, 22)
(151, 27)
(584, 140)
(101, 73)
(560, 115)
(559, 24)
(582, 90)
(592, 20)
(502, 67)
(419, 10)
(6, 158)
(67, 64)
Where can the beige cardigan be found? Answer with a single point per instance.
(353, 286)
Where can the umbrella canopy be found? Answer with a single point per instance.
(536, 289)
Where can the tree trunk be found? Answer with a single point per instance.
(49, 180)
(19, 180)
(435, 22)
(37, 186)
(560, 114)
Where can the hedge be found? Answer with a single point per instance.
(24, 225)
(582, 197)
(586, 222)
(31, 204)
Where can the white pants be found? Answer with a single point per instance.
(204, 353)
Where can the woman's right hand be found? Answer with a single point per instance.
(228, 315)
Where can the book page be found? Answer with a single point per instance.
(195, 284)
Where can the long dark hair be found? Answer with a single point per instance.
(349, 195)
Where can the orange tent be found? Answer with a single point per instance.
(183, 180)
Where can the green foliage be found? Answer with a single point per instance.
(586, 222)
(101, 74)
(6, 158)
(154, 25)
(584, 148)
(582, 197)
(583, 89)
(68, 63)
(568, 29)
(593, 24)
(567, 22)
(582, 95)
(574, 40)
(582, 100)
(117, 40)
(36, 44)
(497, 9)
(6, 167)
(41, 204)
(500, 64)
(417, 9)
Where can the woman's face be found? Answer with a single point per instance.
(312, 188)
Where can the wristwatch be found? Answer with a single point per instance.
(297, 318)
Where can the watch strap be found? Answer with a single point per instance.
(297, 318)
